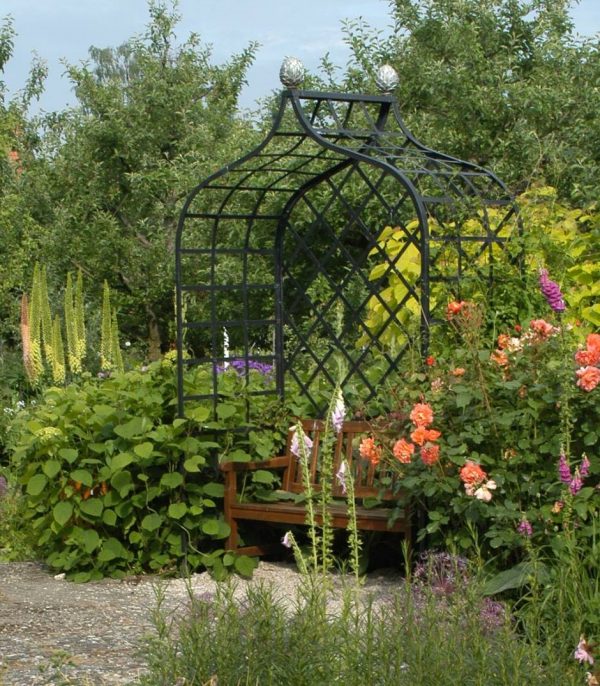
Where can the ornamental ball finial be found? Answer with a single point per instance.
(386, 79)
(292, 72)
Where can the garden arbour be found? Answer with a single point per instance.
(322, 249)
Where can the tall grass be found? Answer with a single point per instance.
(413, 636)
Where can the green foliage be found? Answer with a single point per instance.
(153, 117)
(420, 634)
(511, 410)
(115, 483)
(503, 83)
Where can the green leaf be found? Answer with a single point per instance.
(122, 483)
(239, 456)
(104, 410)
(193, 464)
(211, 527)
(199, 414)
(62, 512)
(245, 565)
(83, 476)
(121, 461)
(134, 427)
(262, 476)
(225, 411)
(51, 468)
(515, 577)
(171, 480)
(90, 540)
(177, 510)
(111, 549)
(214, 489)
(92, 507)
(151, 522)
(68, 454)
(109, 517)
(143, 450)
(36, 484)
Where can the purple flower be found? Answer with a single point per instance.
(492, 615)
(525, 528)
(3, 487)
(551, 291)
(339, 412)
(295, 444)
(240, 365)
(584, 469)
(287, 539)
(576, 483)
(341, 476)
(564, 473)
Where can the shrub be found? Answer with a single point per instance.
(505, 416)
(116, 483)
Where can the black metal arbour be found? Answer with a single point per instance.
(282, 251)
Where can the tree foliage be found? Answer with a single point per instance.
(153, 118)
(504, 83)
(21, 233)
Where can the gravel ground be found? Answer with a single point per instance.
(57, 633)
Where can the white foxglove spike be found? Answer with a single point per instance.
(225, 347)
(386, 79)
(291, 73)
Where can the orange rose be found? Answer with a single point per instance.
(500, 358)
(587, 357)
(421, 414)
(503, 341)
(589, 378)
(370, 451)
(472, 474)
(593, 342)
(421, 435)
(403, 451)
(430, 454)
(458, 371)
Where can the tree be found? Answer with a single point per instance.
(153, 119)
(22, 235)
(503, 83)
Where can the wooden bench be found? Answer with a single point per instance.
(366, 477)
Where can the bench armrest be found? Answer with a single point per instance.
(274, 463)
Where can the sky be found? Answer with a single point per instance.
(64, 30)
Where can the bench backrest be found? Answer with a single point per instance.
(369, 480)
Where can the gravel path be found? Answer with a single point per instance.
(57, 633)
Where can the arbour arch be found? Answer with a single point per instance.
(283, 252)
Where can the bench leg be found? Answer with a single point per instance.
(232, 539)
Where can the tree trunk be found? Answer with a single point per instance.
(154, 351)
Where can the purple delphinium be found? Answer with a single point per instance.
(564, 473)
(3, 487)
(551, 291)
(525, 528)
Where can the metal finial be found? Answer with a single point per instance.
(386, 79)
(292, 72)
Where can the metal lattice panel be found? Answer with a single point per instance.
(284, 253)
